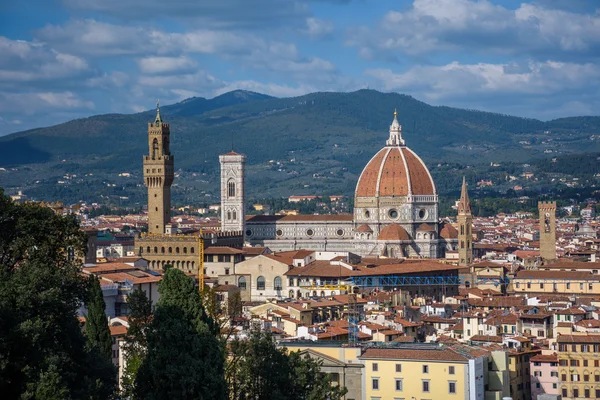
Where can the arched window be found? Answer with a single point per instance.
(228, 215)
(177, 250)
(234, 215)
(231, 189)
(185, 250)
(148, 249)
(156, 249)
(154, 148)
(170, 250)
(277, 283)
(192, 250)
(291, 295)
(260, 283)
(242, 283)
(162, 250)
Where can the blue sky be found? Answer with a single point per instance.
(65, 59)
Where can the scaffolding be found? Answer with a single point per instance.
(394, 281)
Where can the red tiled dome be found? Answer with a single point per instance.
(364, 228)
(393, 232)
(395, 171)
(448, 232)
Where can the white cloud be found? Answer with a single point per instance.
(519, 88)
(318, 28)
(39, 102)
(213, 14)
(450, 25)
(28, 62)
(163, 65)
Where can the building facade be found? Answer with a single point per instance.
(547, 230)
(395, 213)
(233, 210)
(579, 366)
(158, 174)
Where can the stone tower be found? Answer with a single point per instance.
(233, 211)
(465, 224)
(158, 174)
(547, 230)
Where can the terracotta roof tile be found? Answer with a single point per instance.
(442, 354)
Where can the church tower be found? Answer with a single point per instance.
(465, 224)
(547, 230)
(158, 174)
(233, 211)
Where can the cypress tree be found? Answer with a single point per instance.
(96, 325)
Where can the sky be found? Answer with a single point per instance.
(66, 59)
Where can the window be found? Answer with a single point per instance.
(537, 385)
(540, 333)
(230, 189)
(564, 377)
(586, 378)
(585, 363)
(398, 367)
(242, 283)
(375, 367)
(598, 393)
(452, 387)
(398, 385)
(541, 285)
(575, 392)
(596, 378)
(426, 386)
(574, 378)
(563, 363)
(278, 285)
(451, 370)
(574, 363)
(425, 369)
(375, 383)
(568, 286)
(554, 374)
(260, 283)
(226, 271)
(564, 392)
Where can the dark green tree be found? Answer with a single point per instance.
(308, 382)
(136, 341)
(184, 357)
(96, 324)
(43, 352)
(259, 370)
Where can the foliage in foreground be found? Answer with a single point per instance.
(43, 351)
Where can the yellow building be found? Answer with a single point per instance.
(421, 372)
(518, 367)
(552, 282)
(579, 366)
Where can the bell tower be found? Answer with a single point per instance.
(233, 211)
(547, 230)
(158, 174)
(465, 226)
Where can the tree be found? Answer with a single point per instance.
(136, 341)
(184, 358)
(258, 370)
(96, 324)
(308, 382)
(43, 352)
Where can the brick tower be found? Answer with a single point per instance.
(465, 224)
(233, 211)
(158, 174)
(547, 230)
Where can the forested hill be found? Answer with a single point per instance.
(322, 140)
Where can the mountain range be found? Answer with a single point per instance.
(316, 143)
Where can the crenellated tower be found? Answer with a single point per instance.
(233, 211)
(547, 230)
(465, 227)
(158, 174)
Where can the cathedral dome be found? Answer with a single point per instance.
(395, 171)
(448, 232)
(393, 232)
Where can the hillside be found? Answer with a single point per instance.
(317, 143)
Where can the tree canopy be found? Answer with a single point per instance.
(43, 352)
